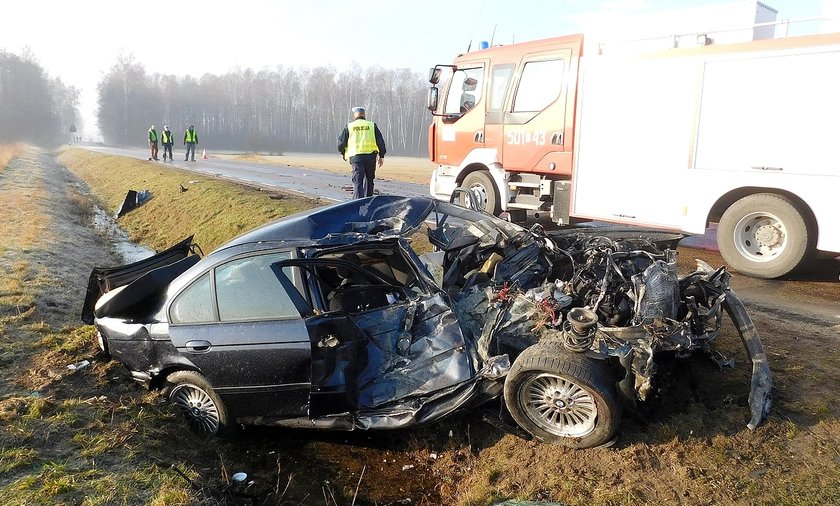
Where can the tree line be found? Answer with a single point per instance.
(278, 110)
(34, 107)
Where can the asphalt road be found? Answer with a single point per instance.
(310, 182)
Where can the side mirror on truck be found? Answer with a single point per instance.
(432, 99)
(434, 74)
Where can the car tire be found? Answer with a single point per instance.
(481, 184)
(562, 398)
(191, 394)
(764, 235)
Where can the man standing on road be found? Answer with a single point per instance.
(153, 143)
(166, 140)
(362, 144)
(190, 140)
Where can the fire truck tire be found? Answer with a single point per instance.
(481, 184)
(765, 235)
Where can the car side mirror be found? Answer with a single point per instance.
(432, 99)
(434, 74)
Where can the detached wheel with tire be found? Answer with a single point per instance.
(481, 185)
(764, 235)
(562, 397)
(193, 396)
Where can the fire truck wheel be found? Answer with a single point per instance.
(481, 184)
(765, 235)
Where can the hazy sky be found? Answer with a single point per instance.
(80, 40)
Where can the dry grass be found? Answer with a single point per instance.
(62, 441)
(8, 153)
(93, 437)
(398, 168)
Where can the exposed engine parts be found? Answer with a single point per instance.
(579, 329)
(616, 299)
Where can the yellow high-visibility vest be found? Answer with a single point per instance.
(166, 138)
(362, 139)
(191, 136)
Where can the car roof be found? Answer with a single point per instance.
(388, 214)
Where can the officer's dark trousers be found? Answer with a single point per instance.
(364, 169)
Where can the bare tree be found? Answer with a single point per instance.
(33, 107)
(275, 110)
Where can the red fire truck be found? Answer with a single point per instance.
(744, 135)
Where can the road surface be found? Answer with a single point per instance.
(310, 182)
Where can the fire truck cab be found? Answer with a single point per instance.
(738, 134)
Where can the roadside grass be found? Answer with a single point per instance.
(212, 209)
(9, 152)
(85, 436)
(47, 412)
(399, 168)
(91, 436)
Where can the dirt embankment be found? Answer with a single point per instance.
(93, 436)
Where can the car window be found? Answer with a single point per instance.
(194, 305)
(247, 289)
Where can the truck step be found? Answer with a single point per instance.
(520, 205)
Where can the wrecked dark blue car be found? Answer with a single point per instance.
(392, 312)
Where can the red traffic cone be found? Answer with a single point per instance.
(204, 154)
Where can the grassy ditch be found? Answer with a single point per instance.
(91, 436)
(182, 203)
(66, 437)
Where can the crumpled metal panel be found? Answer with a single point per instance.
(430, 355)
(403, 351)
(485, 385)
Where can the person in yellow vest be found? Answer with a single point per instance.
(190, 140)
(153, 143)
(166, 140)
(362, 144)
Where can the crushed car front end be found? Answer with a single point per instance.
(587, 314)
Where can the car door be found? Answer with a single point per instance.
(237, 324)
(377, 353)
(534, 123)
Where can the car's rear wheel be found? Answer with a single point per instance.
(192, 395)
(561, 397)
